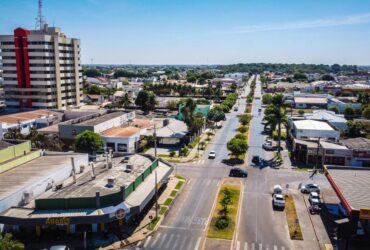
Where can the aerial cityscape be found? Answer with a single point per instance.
(184, 125)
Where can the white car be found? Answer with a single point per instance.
(311, 187)
(314, 199)
(212, 155)
(278, 201)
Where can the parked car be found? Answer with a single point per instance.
(278, 201)
(311, 187)
(277, 190)
(237, 172)
(314, 199)
(212, 155)
(267, 146)
(236, 109)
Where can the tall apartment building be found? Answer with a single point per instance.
(41, 69)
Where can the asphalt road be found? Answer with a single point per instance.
(185, 225)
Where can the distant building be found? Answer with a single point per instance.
(25, 121)
(311, 129)
(336, 120)
(41, 69)
(360, 151)
(310, 102)
(341, 103)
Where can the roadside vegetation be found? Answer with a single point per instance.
(223, 220)
(292, 219)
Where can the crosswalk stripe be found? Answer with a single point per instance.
(282, 248)
(177, 238)
(138, 244)
(168, 243)
(198, 243)
(162, 241)
(275, 247)
(267, 247)
(208, 182)
(246, 246)
(237, 245)
(156, 239)
(147, 241)
(183, 242)
(253, 246)
(260, 246)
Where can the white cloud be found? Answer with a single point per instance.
(319, 23)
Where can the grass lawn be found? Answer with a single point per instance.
(173, 193)
(228, 232)
(162, 210)
(168, 201)
(292, 218)
(179, 185)
(180, 177)
(154, 222)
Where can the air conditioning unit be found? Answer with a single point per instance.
(110, 181)
(129, 168)
(27, 197)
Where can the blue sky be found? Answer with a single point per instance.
(205, 31)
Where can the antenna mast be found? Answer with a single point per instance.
(40, 20)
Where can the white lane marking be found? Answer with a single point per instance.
(138, 244)
(169, 241)
(177, 238)
(162, 241)
(246, 246)
(260, 246)
(147, 241)
(198, 243)
(156, 239)
(237, 245)
(275, 247)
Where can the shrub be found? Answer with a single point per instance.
(222, 222)
(242, 129)
(172, 154)
(244, 119)
(301, 112)
(184, 151)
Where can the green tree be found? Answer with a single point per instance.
(266, 99)
(14, 133)
(8, 243)
(237, 146)
(366, 112)
(126, 100)
(275, 115)
(349, 111)
(216, 114)
(146, 100)
(300, 76)
(244, 119)
(327, 77)
(88, 142)
(197, 123)
(354, 128)
(334, 109)
(188, 111)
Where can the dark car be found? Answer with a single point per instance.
(256, 160)
(237, 172)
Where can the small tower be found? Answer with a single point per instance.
(40, 20)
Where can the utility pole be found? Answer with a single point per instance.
(155, 140)
(156, 194)
(317, 153)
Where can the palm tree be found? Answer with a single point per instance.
(275, 115)
(188, 111)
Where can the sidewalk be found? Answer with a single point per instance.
(141, 231)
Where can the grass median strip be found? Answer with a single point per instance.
(153, 223)
(292, 218)
(224, 215)
(168, 201)
(163, 210)
(179, 185)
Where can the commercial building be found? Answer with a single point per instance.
(25, 121)
(336, 120)
(42, 69)
(97, 123)
(99, 197)
(309, 129)
(122, 139)
(360, 151)
(310, 102)
(352, 186)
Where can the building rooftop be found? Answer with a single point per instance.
(30, 115)
(357, 143)
(121, 132)
(100, 119)
(87, 187)
(330, 145)
(24, 175)
(353, 184)
(325, 115)
(317, 100)
(312, 125)
(174, 129)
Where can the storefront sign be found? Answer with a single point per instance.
(364, 214)
(57, 221)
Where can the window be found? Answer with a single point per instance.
(122, 147)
